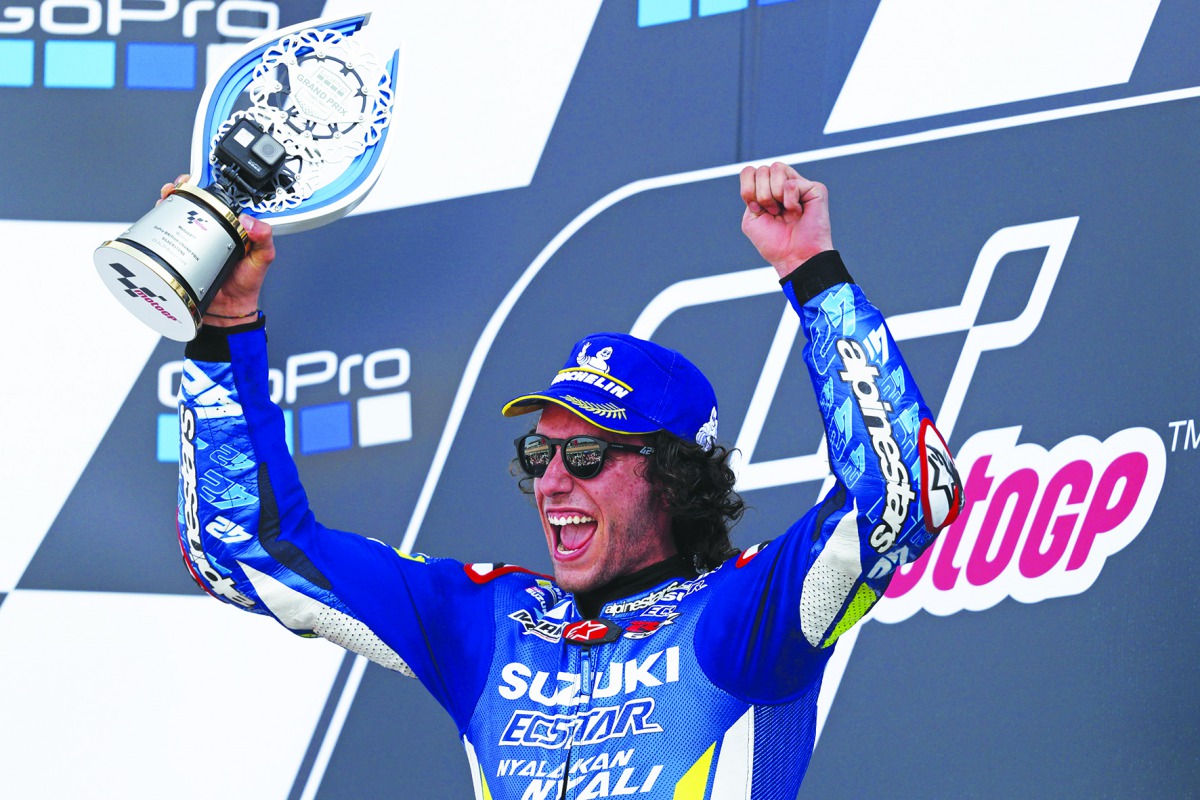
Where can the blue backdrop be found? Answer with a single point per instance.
(1014, 187)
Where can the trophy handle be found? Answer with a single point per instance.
(218, 105)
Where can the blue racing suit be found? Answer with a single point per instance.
(683, 685)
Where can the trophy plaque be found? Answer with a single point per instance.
(294, 133)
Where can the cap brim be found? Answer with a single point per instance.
(630, 423)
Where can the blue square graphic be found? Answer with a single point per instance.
(708, 7)
(16, 62)
(289, 430)
(324, 428)
(168, 438)
(658, 12)
(80, 65)
(158, 65)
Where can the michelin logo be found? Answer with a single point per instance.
(597, 362)
(606, 384)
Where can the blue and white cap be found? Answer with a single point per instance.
(628, 385)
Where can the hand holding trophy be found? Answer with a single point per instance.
(294, 132)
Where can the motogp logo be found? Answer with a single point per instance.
(1035, 523)
(194, 218)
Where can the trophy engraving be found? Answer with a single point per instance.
(294, 132)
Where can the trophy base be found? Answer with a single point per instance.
(166, 267)
(149, 289)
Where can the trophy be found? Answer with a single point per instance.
(294, 133)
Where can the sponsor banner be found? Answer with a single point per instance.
(383, 416)
(596, 725)
(673, 592)
(590, 777)
(1036, 523)
(566, 688)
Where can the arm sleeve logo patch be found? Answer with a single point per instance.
(941, 486)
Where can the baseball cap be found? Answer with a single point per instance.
(628, 385)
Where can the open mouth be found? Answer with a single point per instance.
(572, 532)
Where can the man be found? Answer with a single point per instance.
(655, 664)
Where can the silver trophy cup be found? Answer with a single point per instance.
(294, 132)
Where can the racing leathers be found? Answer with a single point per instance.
(683, 685)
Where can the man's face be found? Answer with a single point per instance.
(603, 527)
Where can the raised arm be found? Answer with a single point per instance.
(895, 486)
(249, 537)
(899, 476)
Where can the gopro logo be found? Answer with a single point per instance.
(92, 64)
(375, 419)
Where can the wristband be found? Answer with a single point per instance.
(822, 271)
(253, 313)
(212, 343)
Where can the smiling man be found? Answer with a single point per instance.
(599, 529)
(658, 661)
(640, 482)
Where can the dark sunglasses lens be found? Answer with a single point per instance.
(536, 453)
(584, 456)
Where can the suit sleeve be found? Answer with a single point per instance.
(784, 604)
(250, 539)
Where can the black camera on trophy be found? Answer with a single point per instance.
(249, 161)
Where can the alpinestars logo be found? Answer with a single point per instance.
(591, 631)
(861, 375)
(941, 495)
(202, 570)
(672, 593)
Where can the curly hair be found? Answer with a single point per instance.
(697, 487)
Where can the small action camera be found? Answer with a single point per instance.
(255, 155)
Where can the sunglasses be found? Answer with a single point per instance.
(583, 456)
